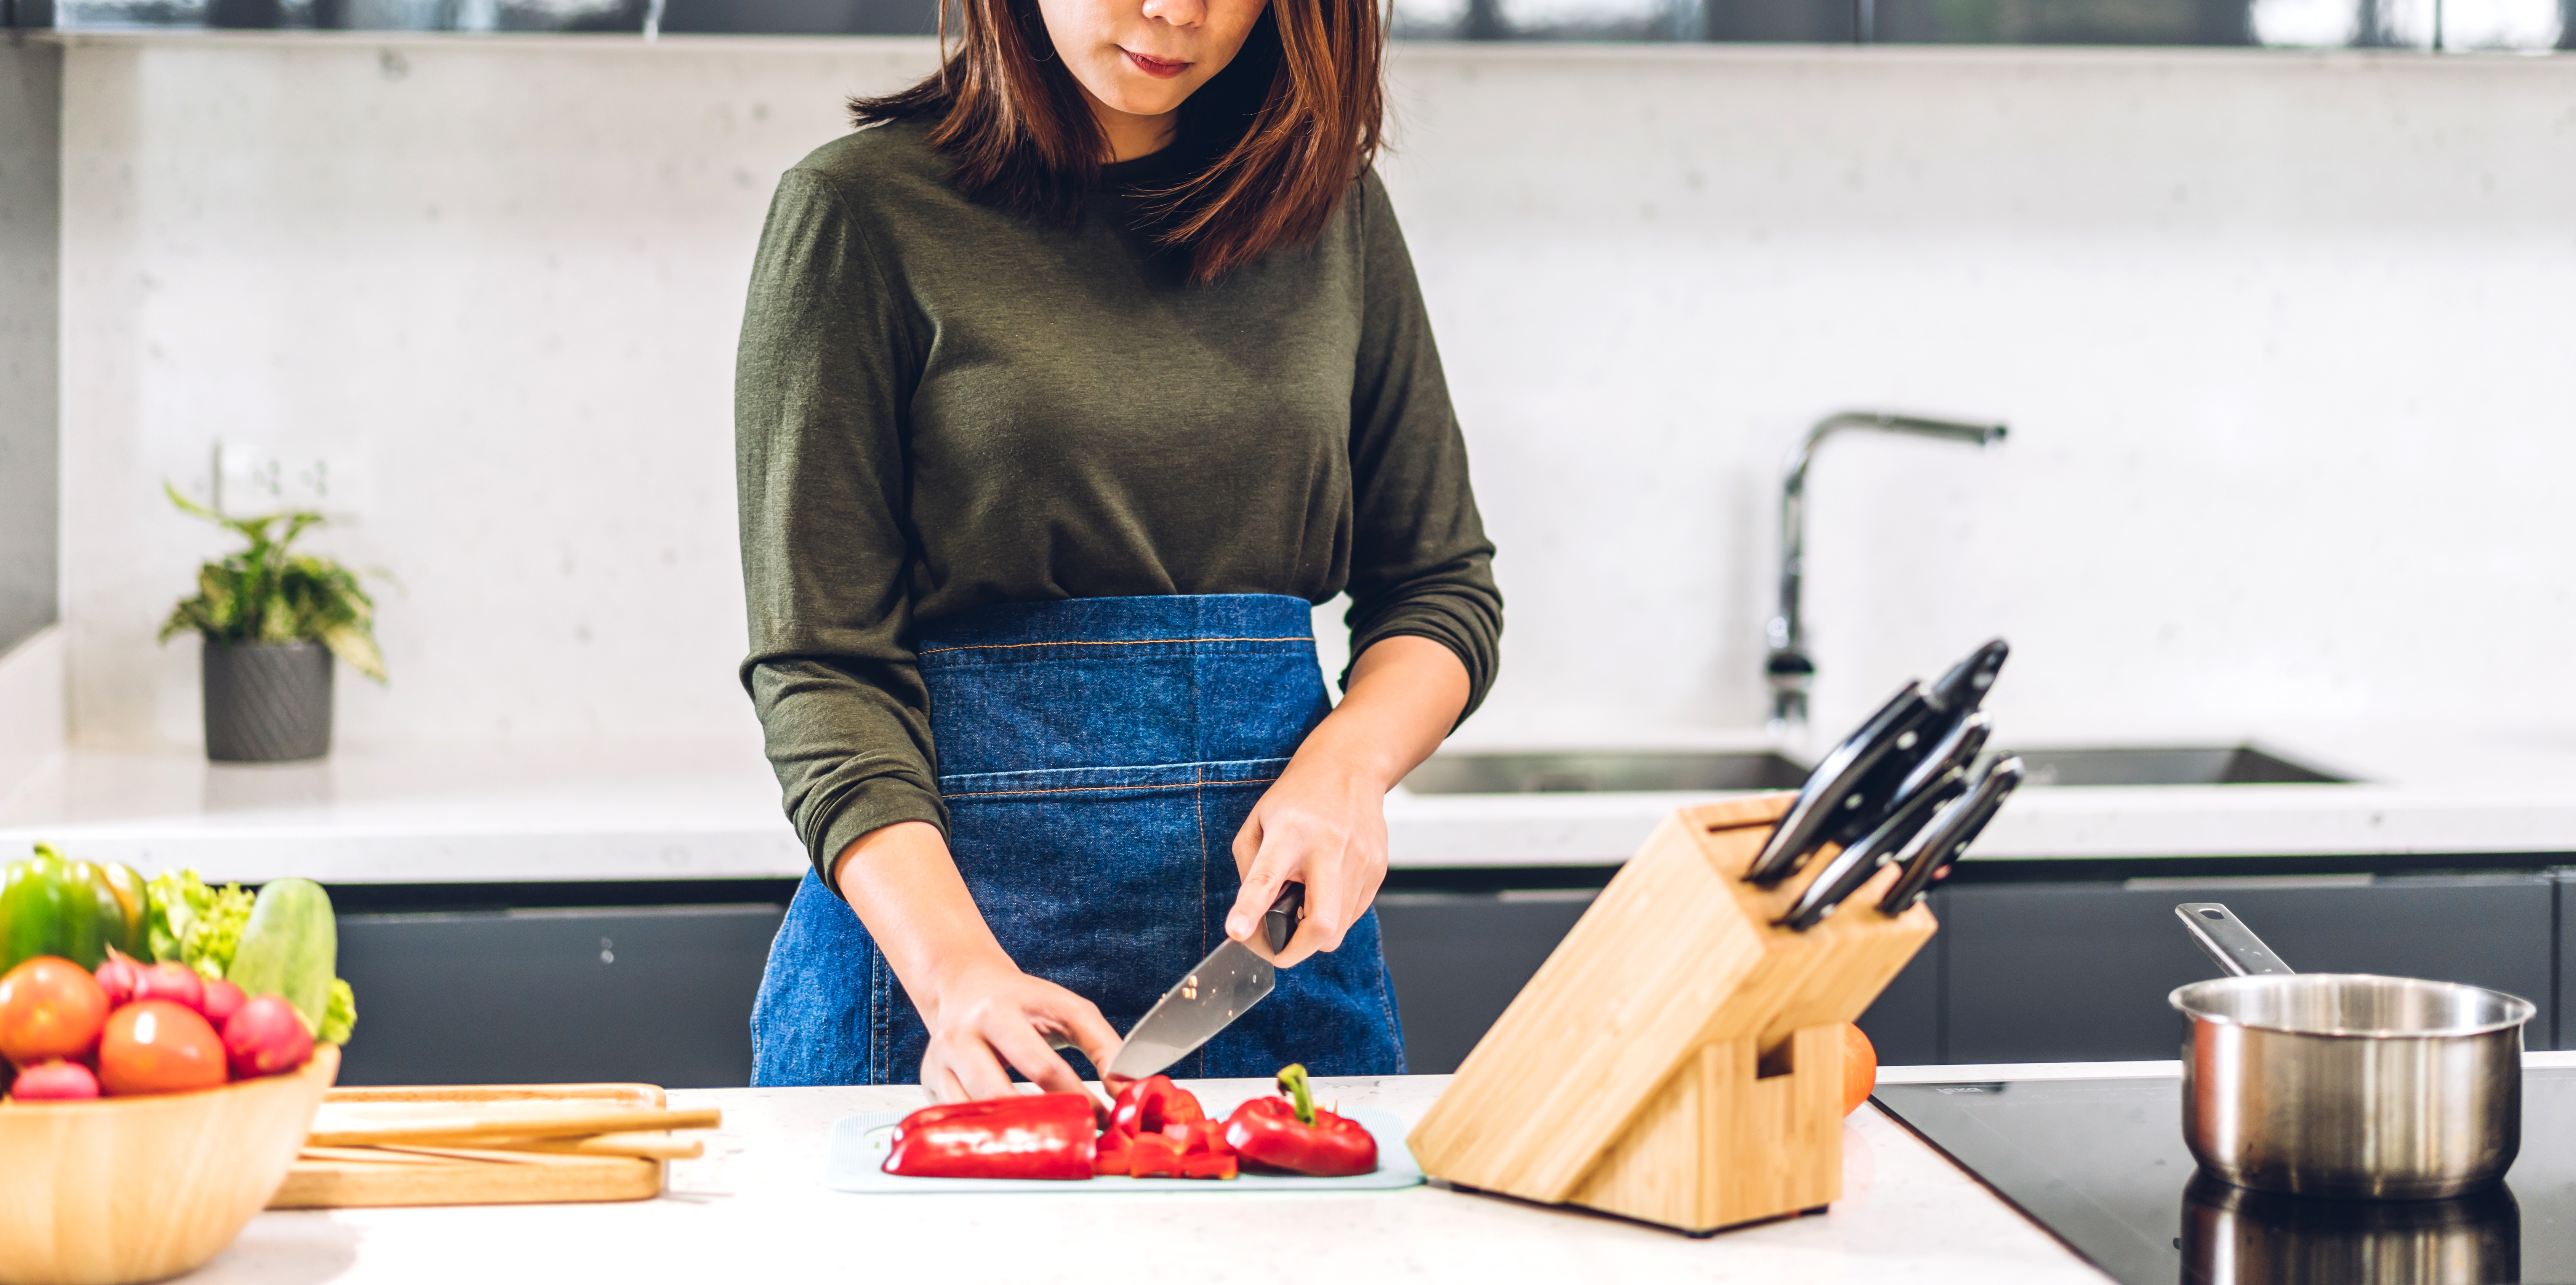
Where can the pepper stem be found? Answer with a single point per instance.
(1292, 1081)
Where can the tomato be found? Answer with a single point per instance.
(49, 1008)
(157, 1046)
(1860, 1067)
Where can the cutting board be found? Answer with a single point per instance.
(344, 1177)
(860, 1144)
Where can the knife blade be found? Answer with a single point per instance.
(1207, 999)
(1949, 835)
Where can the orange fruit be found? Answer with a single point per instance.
(1860, 1068)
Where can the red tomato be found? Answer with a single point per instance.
(1860, 1067)
(49, 1008)
(156, 1046)
(176, 983)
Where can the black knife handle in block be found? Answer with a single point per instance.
(1279, 923)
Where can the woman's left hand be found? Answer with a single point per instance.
(1323, 822)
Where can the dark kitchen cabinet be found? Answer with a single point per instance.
(1458, 958)
(2079, 972)
(660, 995)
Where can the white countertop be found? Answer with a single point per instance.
(755, 1209)
(705, 811)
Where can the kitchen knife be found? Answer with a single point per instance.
(1205, 1001)
(1855, 787)
(1949, 834)
(1831, 789)
(1854, 865)
(1940, 777)
(1955, 695)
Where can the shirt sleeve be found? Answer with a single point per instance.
(1420, 562)
(824, 371)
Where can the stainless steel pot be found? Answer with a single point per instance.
(2344, 1084)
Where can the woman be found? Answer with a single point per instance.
(1067, 385)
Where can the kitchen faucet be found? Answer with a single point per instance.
(1788, 667)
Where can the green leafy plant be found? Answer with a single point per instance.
(265, 594)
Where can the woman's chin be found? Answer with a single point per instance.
(1160, 103)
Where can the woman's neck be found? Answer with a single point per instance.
(1129, 135)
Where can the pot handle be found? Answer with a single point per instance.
(2225, 939)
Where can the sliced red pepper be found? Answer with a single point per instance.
(1199, 1136)
(1291, 1134)
(1048, 1135)
(1109, 1155)
(1210, 1165)
(1153, 1155)
(1151, 1103)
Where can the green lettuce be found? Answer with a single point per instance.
(194, 924)
(340, 1016)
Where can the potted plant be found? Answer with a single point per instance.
(272, 621)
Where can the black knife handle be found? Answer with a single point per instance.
(1279, 923)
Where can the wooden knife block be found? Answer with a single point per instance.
(1678, 1060)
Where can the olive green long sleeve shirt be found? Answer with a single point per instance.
(940, 405)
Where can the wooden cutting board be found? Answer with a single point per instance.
(332, 1177)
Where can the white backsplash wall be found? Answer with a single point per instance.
(2284, 341)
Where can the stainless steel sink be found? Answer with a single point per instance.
(2169, 765)
(1770, 770)
(1584, 773)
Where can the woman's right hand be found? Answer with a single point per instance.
(985, 1015)
(988, 1018)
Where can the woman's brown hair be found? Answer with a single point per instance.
(1285, 128)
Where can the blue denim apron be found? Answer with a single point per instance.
(1097, 756)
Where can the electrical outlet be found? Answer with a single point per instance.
(252, 479)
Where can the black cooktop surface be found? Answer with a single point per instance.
(2101, 1163)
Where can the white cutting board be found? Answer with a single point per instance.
(861, 1142)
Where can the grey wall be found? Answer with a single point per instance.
(31, 96)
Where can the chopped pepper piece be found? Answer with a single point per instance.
(1290, 1133)
(1211, 1165)
(1150, 1103)
(1111, 1156)
(1048, 1135)
(1153, 1155)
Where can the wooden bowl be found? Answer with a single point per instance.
(137, 1189)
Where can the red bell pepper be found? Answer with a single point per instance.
(1112, 1152)
(1210, 1165)
(1153, 1155)
(1290, 1133)
(1150, 1103)
(1199, 1136)
(1049, 1135)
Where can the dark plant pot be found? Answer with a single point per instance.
(267, 702)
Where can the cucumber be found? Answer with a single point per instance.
(290, 948)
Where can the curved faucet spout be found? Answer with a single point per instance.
(1788, 668)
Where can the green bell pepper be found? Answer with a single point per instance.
(52, 905)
